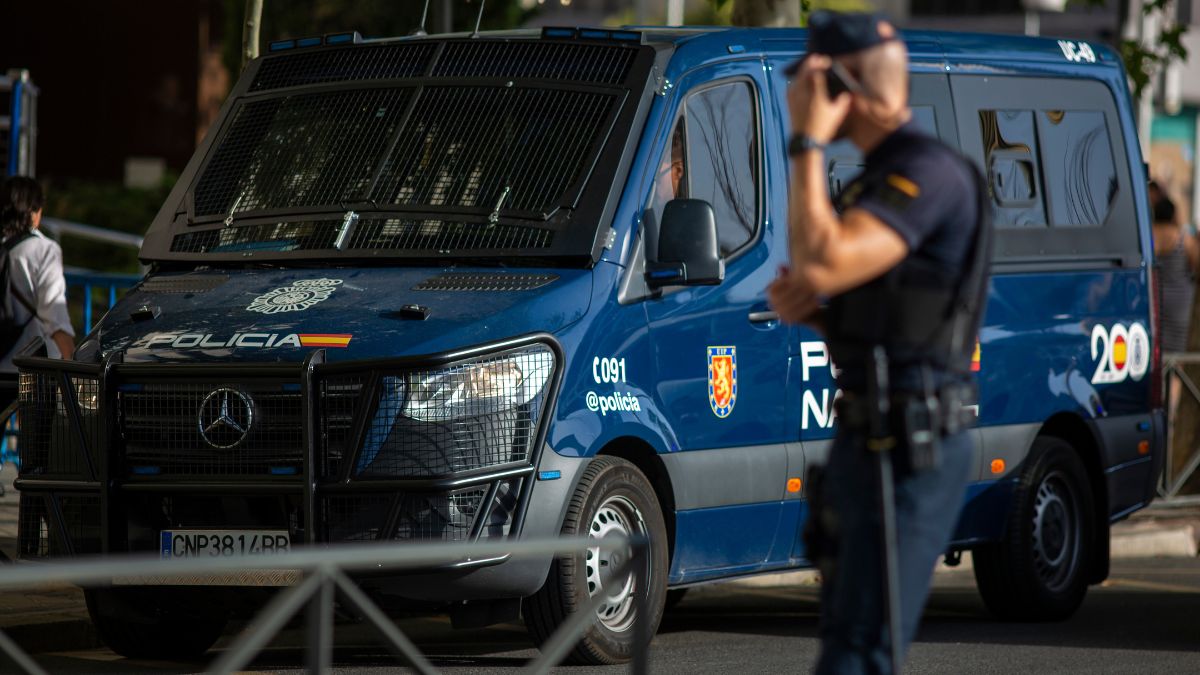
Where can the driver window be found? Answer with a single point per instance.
(670, 182)
(712, 155)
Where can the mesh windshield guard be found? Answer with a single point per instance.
(418, 148)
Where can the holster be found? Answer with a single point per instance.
(917, 421)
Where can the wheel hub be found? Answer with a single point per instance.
(1056, 532)
(616, 516)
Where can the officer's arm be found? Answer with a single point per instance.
(834, 254)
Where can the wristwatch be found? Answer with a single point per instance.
(801, 142)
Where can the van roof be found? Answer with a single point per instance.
(952, 47)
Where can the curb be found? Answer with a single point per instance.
(1175, 541)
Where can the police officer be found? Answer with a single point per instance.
(900, 257)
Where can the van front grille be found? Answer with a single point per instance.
(177, 429)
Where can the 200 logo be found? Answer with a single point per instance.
(1122, 352)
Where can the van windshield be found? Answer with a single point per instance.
(413, 148)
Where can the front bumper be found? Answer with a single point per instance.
(109, 460)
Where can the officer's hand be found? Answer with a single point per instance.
(792, 298)
(812, 111)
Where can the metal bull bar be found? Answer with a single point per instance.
(325, 578)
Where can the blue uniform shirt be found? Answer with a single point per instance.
(926, 192)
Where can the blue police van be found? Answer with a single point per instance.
(428, 288)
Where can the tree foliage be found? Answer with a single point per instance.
(1146, 58)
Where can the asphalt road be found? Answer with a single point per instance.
(1143, 620)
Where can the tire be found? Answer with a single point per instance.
(142, 623)
(612, 496)
(1039, 571)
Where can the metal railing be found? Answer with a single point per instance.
(109, 285)
(325, 578)
(1172, 481)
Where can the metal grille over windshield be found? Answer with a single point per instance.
(483, 146)
(372, 234)
(304, 150)
(359, 63)
(413, 148)
(476, 147)
(547, 60)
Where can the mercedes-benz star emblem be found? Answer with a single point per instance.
(225, 417)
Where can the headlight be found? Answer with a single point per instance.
(87, 393)
(481, 388)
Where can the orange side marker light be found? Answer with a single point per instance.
(1144, 448)
(794, 485)
(997, 466)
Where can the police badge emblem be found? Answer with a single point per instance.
(298, 297)
(722, 380)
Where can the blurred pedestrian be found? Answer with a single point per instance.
(1178, 255)
(37, 292)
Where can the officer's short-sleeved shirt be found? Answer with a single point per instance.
(927, 193)
(924, 191)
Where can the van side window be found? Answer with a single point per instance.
(1011, 158)
(722, 159)
(1066, 151)
(1080, 175)
(1054, 155)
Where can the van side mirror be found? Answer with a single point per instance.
(688, 249)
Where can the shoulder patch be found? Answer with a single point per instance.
(904, 185)
(896, 192)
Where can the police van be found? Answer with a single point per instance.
(440, 288)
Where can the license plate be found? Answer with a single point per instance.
(217, 543)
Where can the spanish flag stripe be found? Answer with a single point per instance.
(325, 339)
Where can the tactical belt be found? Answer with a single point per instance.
(853, 411)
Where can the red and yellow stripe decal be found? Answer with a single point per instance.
(975, 358)
(325, 339)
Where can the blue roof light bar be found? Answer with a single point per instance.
(280, 45)
(353, 37)
(565, 33)
(310, 42)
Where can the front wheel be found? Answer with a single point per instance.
(145, 623)
(1038, 572)
(613, 497)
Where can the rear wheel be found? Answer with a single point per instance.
(613, 497)
(1039, 571)
(141, 623)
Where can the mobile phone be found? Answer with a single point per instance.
(839, 80)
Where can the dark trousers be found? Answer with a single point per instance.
(853, 623)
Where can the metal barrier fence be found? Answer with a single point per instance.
(1172, 480)
(325, 577)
